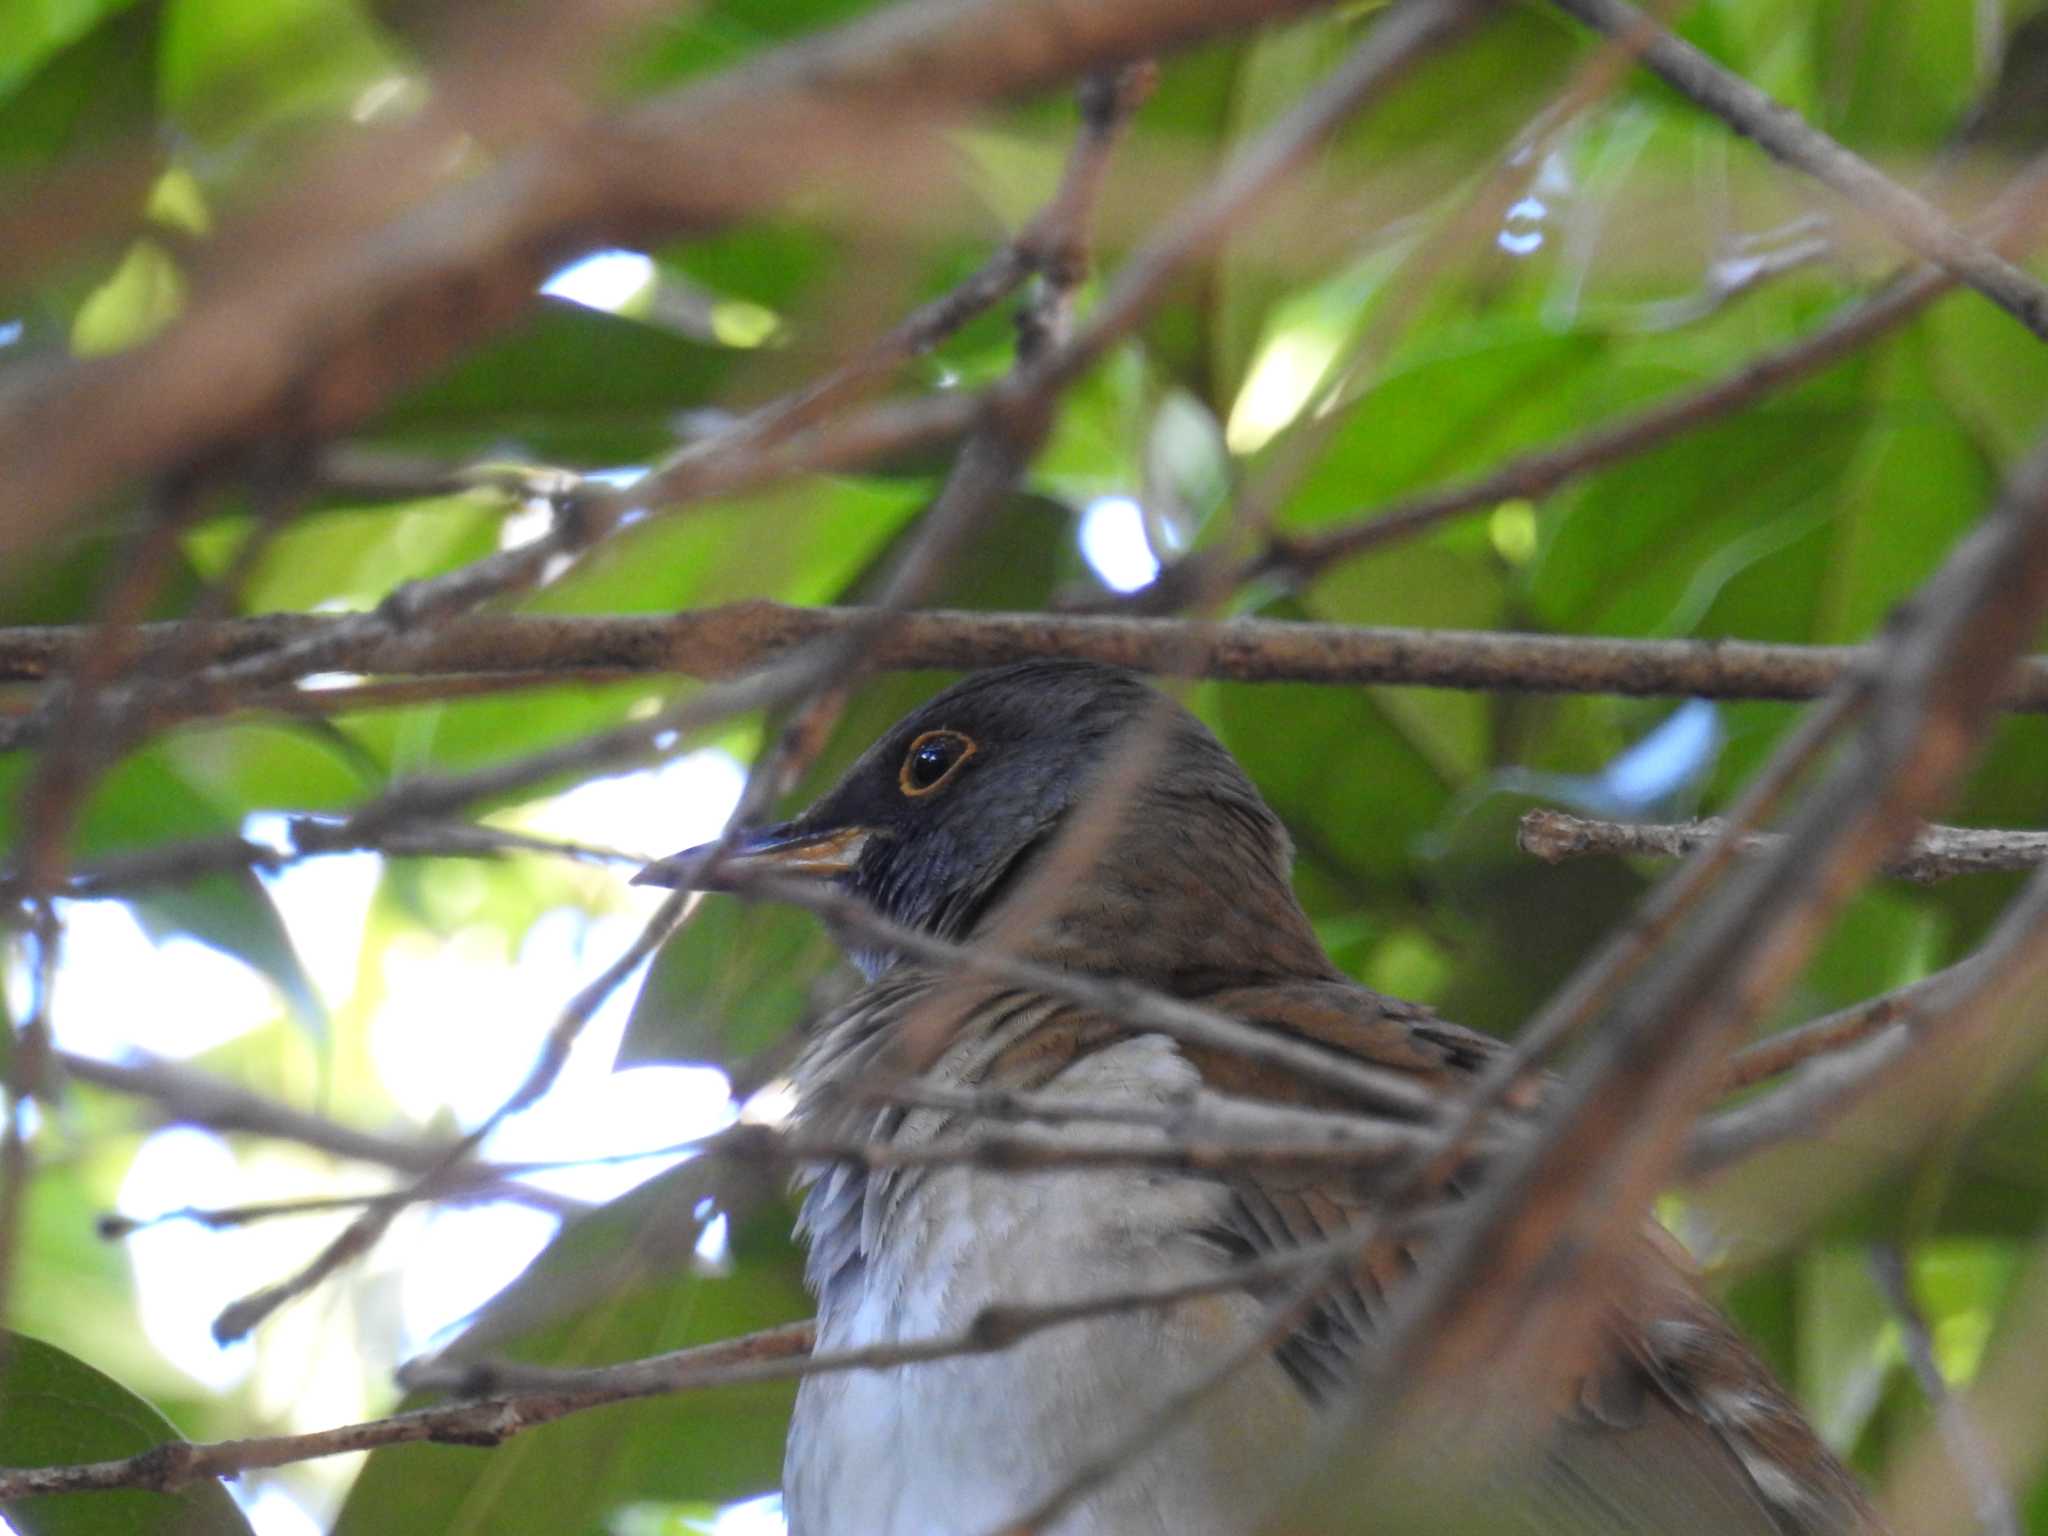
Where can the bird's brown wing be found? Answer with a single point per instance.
(1678, 1426)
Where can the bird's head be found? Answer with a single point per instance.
(947, 814)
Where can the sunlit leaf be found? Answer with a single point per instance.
(142, 296)
(350, 558)
(236, 67)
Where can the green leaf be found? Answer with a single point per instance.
(259, 765)
(76, 1290)
(465, 733)
(235, 914)
(1354, 790)
(1274, 71)
(1987, 370)
(233, 68)
(1520, 925)
(1096, 446)
(1885, 938)
(350, 557)
(733, 982)
(1648, 547)
(571, 386)
(90, 92)
(1916, 485)
(1424, 583)
(1470, 401)
(32, 32)
(1895, 73)
(1186, 125)
(800, 543)
(615, 1285)
(55, 1409)
(1848, 1341)
(772, 263)
(145, 800)
(142, 296)
(61, 584)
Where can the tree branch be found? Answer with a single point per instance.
(313, 342)
(1946, 1023)
(520, 1397)
(724, 641)
(1935, 853)
(1492, 1292)
(488, 1421)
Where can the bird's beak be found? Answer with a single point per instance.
(798, 852)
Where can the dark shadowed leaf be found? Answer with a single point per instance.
(54, 1408)
(730, 984)
(572, 386)
(617, 1284)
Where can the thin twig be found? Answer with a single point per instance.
(1784, 134)
(1138, 1007)
(2012, 223)
(221, 1218)
(77, 746)
(1468, 228)
(1945, 1022)
(362, 1234)
(1974, 1462)
(1354, 1146)
(1935, 853)
(182, 1095)
(995, 1327)
(27, 1079)
(1598, 980)
(1825, 1036)
(587, 513)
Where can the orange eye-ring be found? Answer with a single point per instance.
(933, 759)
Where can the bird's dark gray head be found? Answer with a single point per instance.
(948, 814)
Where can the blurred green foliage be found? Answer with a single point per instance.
(1804, 517)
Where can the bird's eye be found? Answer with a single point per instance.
(932, 759)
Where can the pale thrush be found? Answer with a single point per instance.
(1184, 887)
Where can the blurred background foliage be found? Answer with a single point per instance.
(1365, 334)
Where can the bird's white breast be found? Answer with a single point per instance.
(964, 1445)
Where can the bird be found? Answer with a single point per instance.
(1085, 823)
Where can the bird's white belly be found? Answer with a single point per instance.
(959, 1447)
